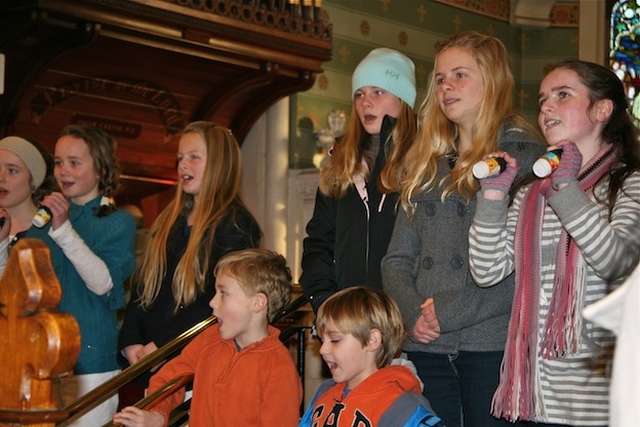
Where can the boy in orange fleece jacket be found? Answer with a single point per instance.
(243, 374)
(361, 330)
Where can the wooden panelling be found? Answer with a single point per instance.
(143, 69)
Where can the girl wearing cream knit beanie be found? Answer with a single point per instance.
(25, 178)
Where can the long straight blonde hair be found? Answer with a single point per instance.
(436, 136)
(219, 194)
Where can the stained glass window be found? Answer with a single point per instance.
(624, 50)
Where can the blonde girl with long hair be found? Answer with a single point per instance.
(458, 330)
(205, 220)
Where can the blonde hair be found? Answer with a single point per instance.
(259, 271)
(359, 309)
(346, 158)
(219, 194)
(436, 136)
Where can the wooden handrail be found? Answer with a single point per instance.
(32, 417)
(108, 388)
(168, 388)
(295, 305)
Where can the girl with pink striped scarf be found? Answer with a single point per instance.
(571, 238)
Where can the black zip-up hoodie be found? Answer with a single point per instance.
(345, 245)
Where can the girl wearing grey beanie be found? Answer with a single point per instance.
(355, 202)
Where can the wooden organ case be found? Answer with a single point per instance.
(142, 69)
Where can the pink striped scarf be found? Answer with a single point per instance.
(518, 395)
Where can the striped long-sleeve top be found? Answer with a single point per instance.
(574, 387)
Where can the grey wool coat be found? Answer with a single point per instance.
(428, 257)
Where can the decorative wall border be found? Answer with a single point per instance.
(561, 16)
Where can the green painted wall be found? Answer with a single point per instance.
(414, 27)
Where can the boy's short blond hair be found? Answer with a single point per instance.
(359, 309)
(259, 271)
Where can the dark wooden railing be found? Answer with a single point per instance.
(40, 343)
(110, 387)
(170, 387)
(176, 383)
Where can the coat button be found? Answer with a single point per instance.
(431, 209)
(427, 263)
(456, 262)
(462, 209)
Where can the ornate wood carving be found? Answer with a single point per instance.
(37, 342)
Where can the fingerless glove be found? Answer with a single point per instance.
(501, 182)
(570, 163)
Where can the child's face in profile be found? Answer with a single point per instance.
(15, 180)
(348, 360)
(192, 162)
(234, 310)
